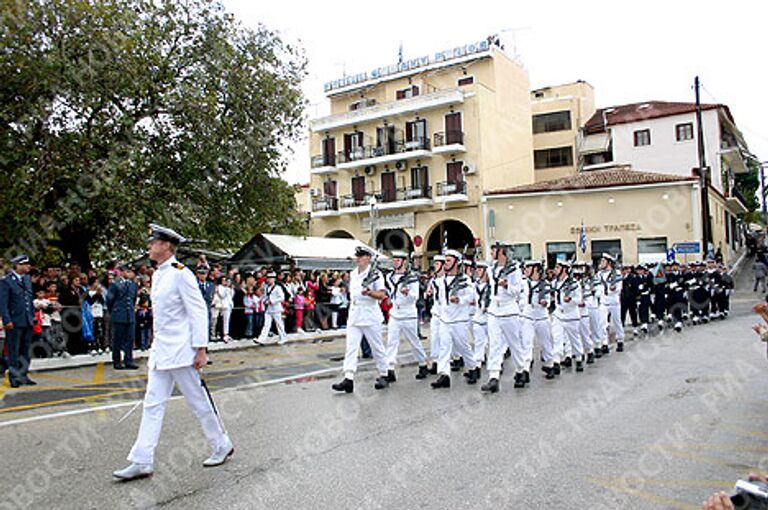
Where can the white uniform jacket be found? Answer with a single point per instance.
(454, 312)
(567, 310)
(611, 292)
(180, 322)
(364, 310)
(273, 299)
(532, 309)
(504, 301)
(403, 306)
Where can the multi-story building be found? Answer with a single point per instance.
(559, 114)
(409, 149)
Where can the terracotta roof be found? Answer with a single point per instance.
(591, 179)
(634, 112)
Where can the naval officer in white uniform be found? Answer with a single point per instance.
(365, 318)
(180, 330)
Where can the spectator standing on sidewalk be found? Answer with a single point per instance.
(144, 323)
(96, 300)
(760, 271)
(18, 314)
(299, 301)
(249, 305)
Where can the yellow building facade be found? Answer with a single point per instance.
(412, 153)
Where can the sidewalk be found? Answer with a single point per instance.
(84, 360)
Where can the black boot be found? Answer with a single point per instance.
(567, 362)
(579, 366)
(590, 358)
(472, 376)
(598, 353)
(556, 369)
(391, 377)
(455, 366)
(423, 372)
(619, 346)
(433, 368)
(346, 385)
(381, 382)
(550, 373)
(526, 377)
(519, 380)
(442, 382)
(605, 349)
(492, 386)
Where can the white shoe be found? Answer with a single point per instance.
(94, 352)
(134, 472)
(299, 330)
(220, 455)
(282, 342)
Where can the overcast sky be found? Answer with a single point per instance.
(629, 51)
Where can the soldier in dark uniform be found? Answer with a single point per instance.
(18, 313)
(698, 285)
(121, 302)
(716, 290)
(644, 287)
(629, 296)
(659, 307)
(207, 288)
(675, 297)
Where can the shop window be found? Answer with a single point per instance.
(560, 251)
(521, 251)
(612, 246)
(651, 249)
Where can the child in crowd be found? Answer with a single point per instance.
(56, 337)
(96, 299)
(299, 302)
(42, 328)
(258, 313)
(144, 323)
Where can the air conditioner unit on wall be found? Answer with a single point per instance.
(314, 192)
(370, 170)
(468, 169)
(400, 165)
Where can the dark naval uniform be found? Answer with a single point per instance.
(121, 302)
(16, 308)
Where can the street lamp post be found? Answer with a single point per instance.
(373, 213)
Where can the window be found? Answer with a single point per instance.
(555, 121)
(553, 158)
(684, 132)
(411, 91)
(419, 182)
(612, 246)
(651, 249)
(560, 251)
(521, 251)
(642, 138)
(416, 135)
(466, 80)
(329, 151)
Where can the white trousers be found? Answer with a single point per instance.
(225, 314)
(434, 338)
(454, 336)
(159, 389)
(408, 327)
(480, 337)
(597, 326)
(504, 332)
(269, 317)
(586, 335)
(613, 313)
(354, 337)
(570, 332)
(558, 342)
(538, 328)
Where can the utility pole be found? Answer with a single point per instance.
(706, 225)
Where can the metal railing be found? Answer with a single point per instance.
(448, 138)
(446, 188)
(375, 151)
(321, 160)
(325, 203)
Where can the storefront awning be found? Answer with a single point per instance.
(597, 143)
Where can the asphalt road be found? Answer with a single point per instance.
(661, 425)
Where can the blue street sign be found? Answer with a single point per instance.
(688, 248)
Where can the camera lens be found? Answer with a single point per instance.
(740, 502)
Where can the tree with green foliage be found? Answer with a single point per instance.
(117, 113)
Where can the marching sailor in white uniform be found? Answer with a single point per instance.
(365, 318)
(454, 293)
(610, 279)
(273, 302)
(180, 330)
(480, 315)
(505, 279)
(438, 262)
(403, 291)
(534, 319)
(567, 317)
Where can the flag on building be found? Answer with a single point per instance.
(583, 238)
(400, 54)
(671, 254)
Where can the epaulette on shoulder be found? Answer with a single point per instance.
(178, 265)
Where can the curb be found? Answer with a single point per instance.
(84, 360)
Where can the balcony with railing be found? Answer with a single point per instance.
(452, 191)
(393, 198)
(325, 206)
(323, 164)
(379, 155)
(446, 142)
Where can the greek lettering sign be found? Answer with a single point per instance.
(389, 221)
(611, 227)
(409, 65)
(688, 248)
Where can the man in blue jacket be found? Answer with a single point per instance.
(18, 313)
(121, 302)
